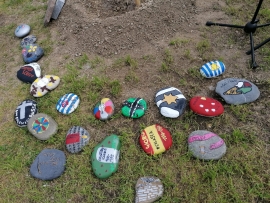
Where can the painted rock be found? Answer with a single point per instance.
(206, 145)
(22, 30)
(29, 73)
(49, 164)
(237, 91)
(77, 137)
(171, 102)
(105, 157)
(155, 139)
(32, 53)
(68, 103)
(212, 69)
(104, 109)
(28, 40)
(24, 112)
(205, 106)
(134, 107)
(43, 85)
(42, 126)
(148, 189)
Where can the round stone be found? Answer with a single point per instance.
(155, 139)
(28, 40)
(134, 107)
(68, 103)
(32, 53)
(171, 102)
(148, 189)
(206, 145)
(206, 106)
(77, 137)
(24, 112)
(212, 69)
(104, 109)
(43, 85)
(237, 91)
(22, 30)
(29, 73)
(105, 157)
(42, 126)
(48, 165)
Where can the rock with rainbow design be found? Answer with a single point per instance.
(104, 109)
(212, 69)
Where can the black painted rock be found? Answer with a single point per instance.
(29, 73)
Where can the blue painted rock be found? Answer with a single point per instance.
(77, 137)
(206, 106)
(22, 30)
(25, 111)
(148, 189)
(32, 53)
(42, 126)
(48, 165)
(105, 157)
(29, 73)
(28, 40)
(206, 145)
(171, 102)
(237, 91)
(104, 109)
(68, 103)
(43, 85)
(134, 107)
(212, 69)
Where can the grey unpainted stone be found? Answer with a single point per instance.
(57, 9)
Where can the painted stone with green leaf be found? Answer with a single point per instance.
(105, 157)
(134, 107)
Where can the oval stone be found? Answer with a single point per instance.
(22, 30)
(148, 189)
(206, 106)
(104, 109)
(29, 73)
(68, 103)
(212, 69)
(43, 85)
(134, 107)
(30, 39)
(77, 137)
(48, 165)
(206, 145)
(42, 126)
(105, 157)
(171, 102)
(32, 53)
(237, 91)
(24, 112)
(155, 139)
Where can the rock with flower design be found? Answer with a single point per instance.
(104, 109)
(43, 85)
(22, 30)
(42, 126)
(28, 40)
(212, 69)
(32, 53)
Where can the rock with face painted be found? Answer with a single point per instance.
(105, 157)
(29, 73)
(68, 103)
(43, 85)
(32, 53)
(212, 69)
(206, 145)
(28, 40)
(104, 109)
(171, 102)
(237, 91)
(22, 30)
(134, 107)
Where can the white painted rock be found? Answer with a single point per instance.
(212, 69)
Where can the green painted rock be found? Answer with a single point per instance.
(105, 157)
(134, 107)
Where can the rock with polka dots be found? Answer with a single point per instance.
(206, 106)
(105, 157)
(43, 85)
(77, 137)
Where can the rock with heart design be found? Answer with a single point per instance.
(104, 109)
(155, 139)
(212, 69)
(25, 111)
(28, 40)
(77, 137)
(22, 30)
(134, 107)
(68, 103)
(32, 53)
(42, 126)
(148, 189)
(29, 73)
(105, 157)
(206, 145)
(43, 85)
(206, 106)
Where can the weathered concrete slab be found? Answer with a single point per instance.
(49, 11)
(57, 9)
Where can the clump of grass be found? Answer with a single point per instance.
(167, 60)
(178, 42)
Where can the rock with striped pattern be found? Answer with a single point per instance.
(134, 107)
(68, 103)
(212, 69)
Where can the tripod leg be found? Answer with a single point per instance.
(208, 23)
(254, 64)
(259, 45)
